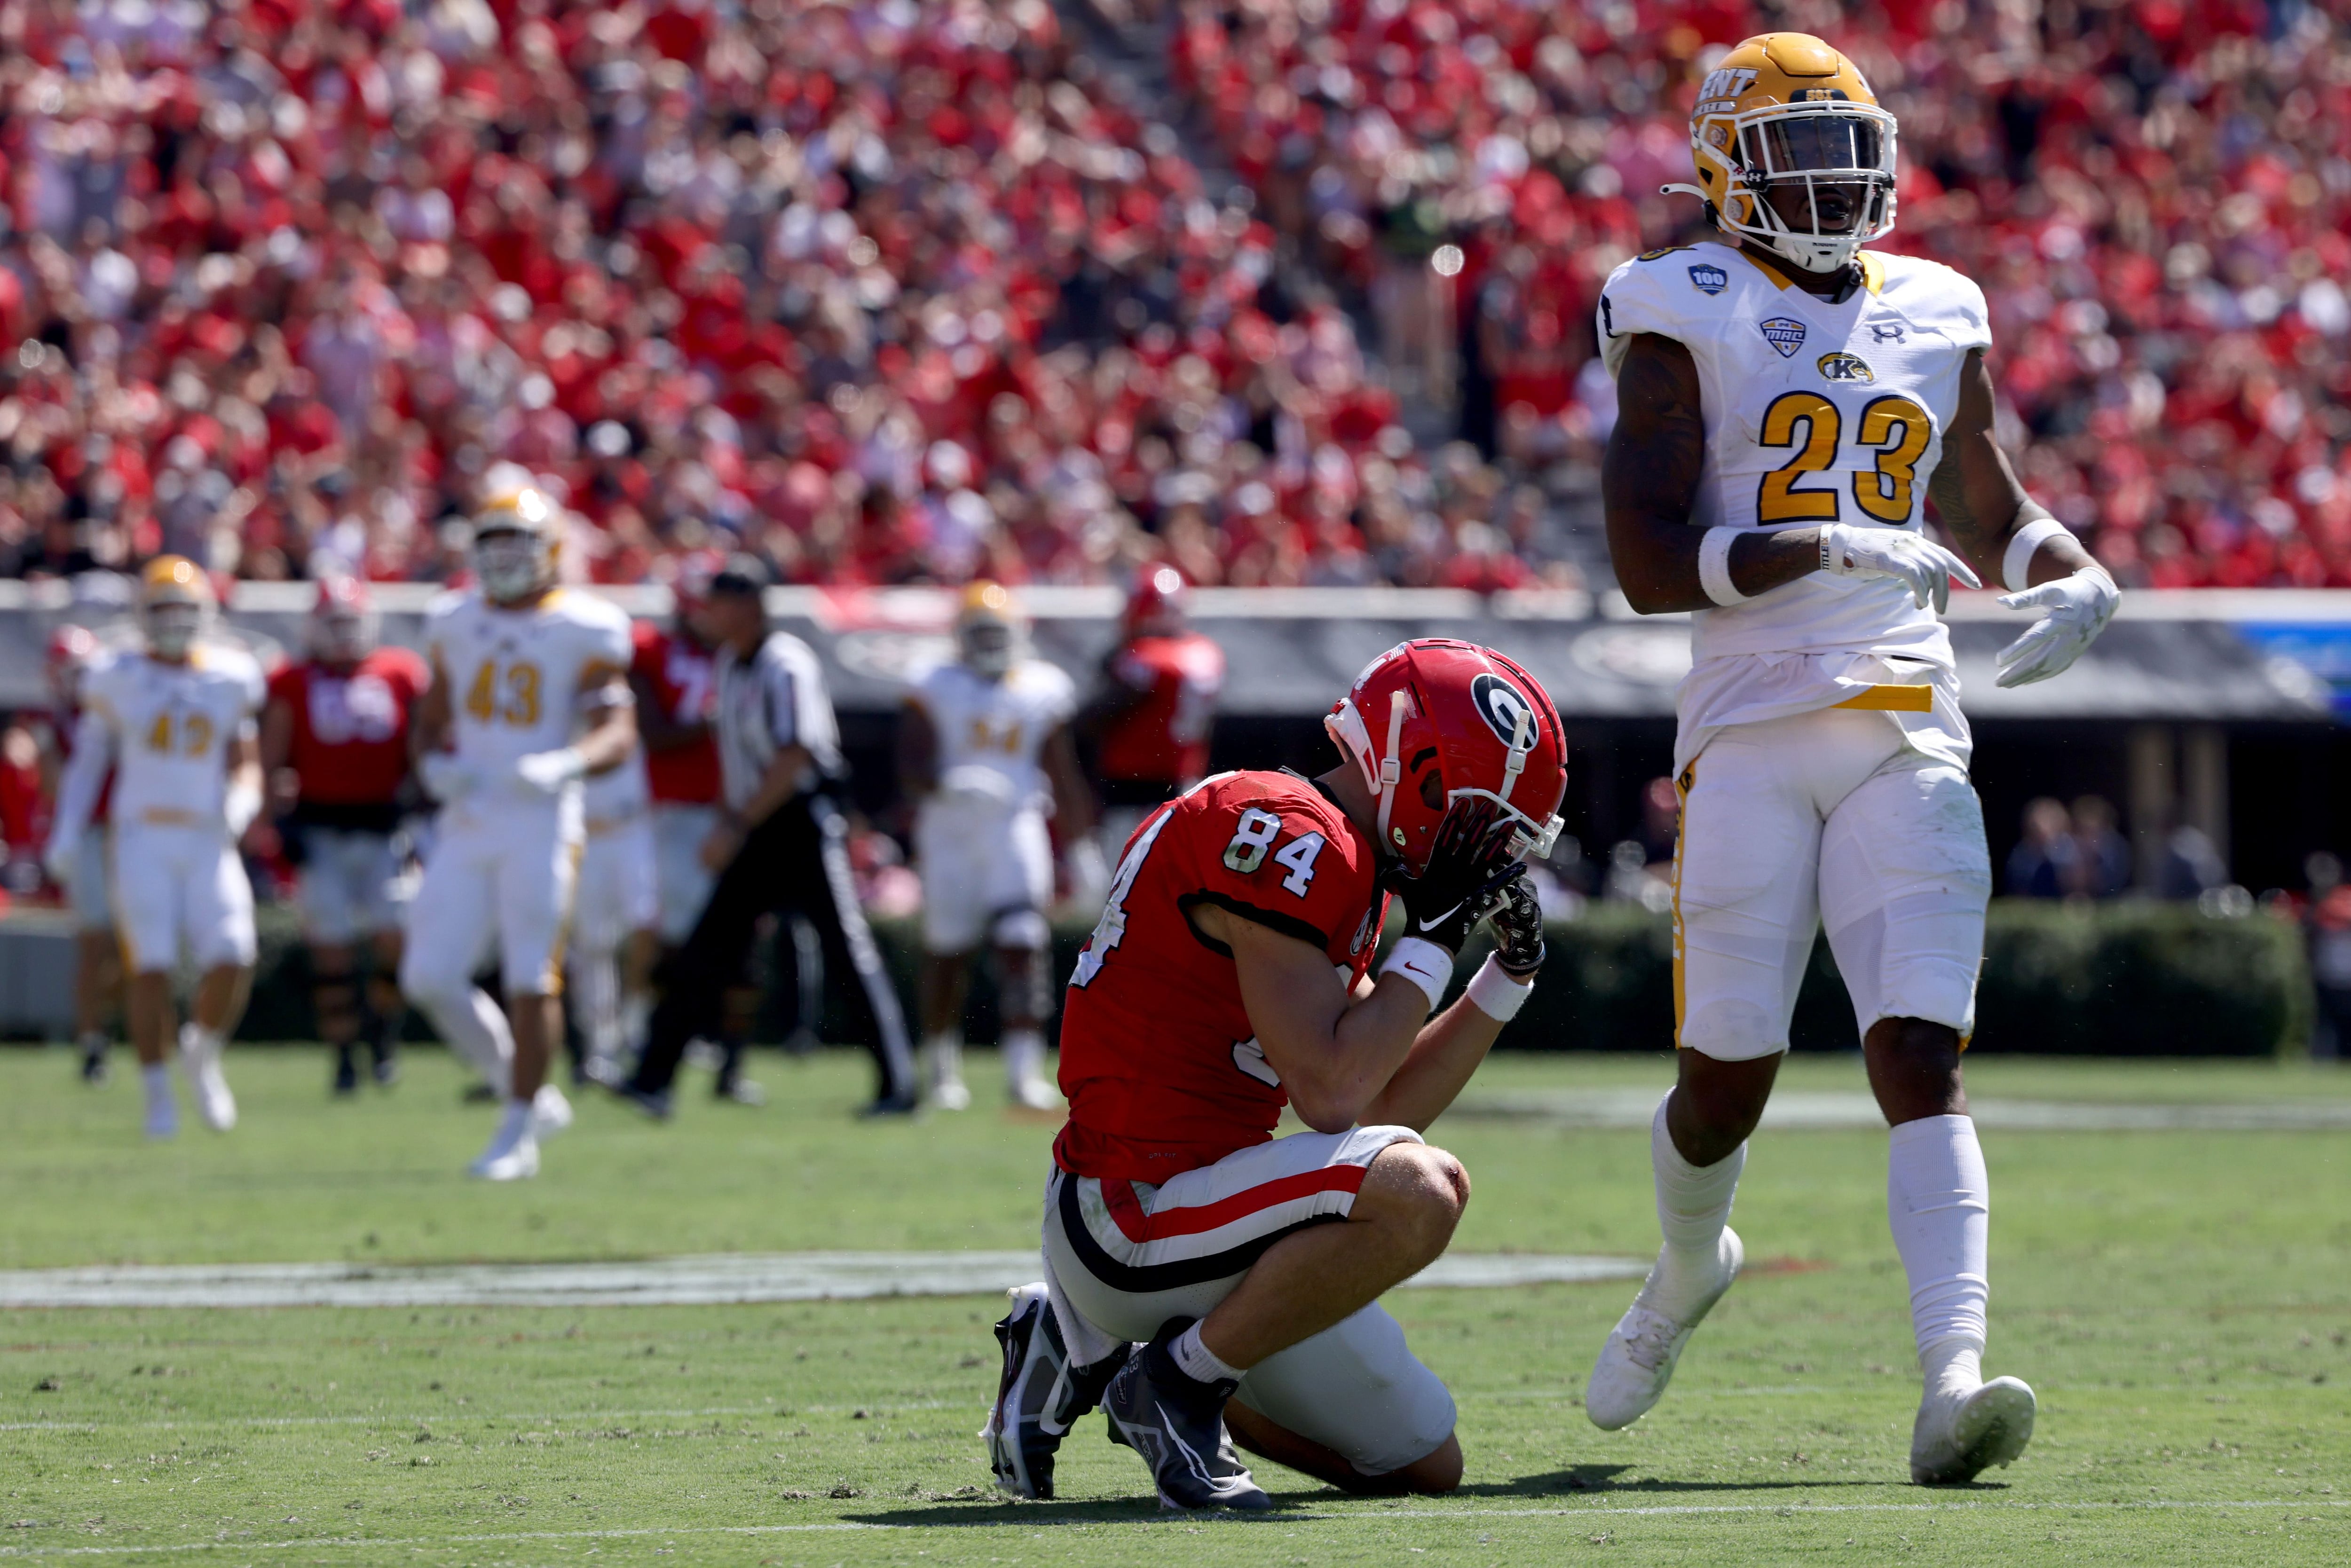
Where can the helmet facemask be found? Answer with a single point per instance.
(987, 647)
(1830, 155)
(512, 562)
(173, 626)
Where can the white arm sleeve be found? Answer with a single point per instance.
(93, 751)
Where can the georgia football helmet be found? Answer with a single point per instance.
(1155, 606)
(343, 627)
(174, 598)
(987, 629)
(1459, 744)
(1785, 110)
(517, 536)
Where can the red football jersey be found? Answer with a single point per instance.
(351, 730)
(1162, 1070)
(683, 677)
(1164, 738)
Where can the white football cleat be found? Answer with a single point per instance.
(1638, 1360)
(943, 1067)
(1035, 1092)
(200, 1060)
(513, 1154)
(1959, 1433)
(550, 1112)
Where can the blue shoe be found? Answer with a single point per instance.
(1178, 1424)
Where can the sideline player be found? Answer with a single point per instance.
(175, 720)
(529, 696)
(1151, 714)
(334, 747)
(1787, 401)
(1230, 976)
(73, 652)
(984, 747)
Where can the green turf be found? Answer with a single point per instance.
(2181, 1299)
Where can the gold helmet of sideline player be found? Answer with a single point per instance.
(517, 535)
(987, 629)
(174, 598)
(1785, 112)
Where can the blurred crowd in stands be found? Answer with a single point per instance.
(911, 290)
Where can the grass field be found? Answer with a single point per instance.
(2182, 1302)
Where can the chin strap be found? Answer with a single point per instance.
(1391, 765)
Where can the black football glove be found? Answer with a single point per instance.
(1443, 905)
(1518, 924)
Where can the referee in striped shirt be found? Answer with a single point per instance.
(783, 844)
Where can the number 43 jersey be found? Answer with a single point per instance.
(516, 675)
(1816, 411)
(1159, 1062)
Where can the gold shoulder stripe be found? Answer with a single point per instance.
(1873, 271)
(1779, 279)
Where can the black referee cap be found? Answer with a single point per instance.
(743, 574)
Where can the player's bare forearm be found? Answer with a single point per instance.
(1448, 1050)
(428, 730)
(611, 735)
(1073, 798)
(1334, 1054)
(1648, 482)
(1977, 497)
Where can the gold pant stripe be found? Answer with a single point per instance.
(1893, 699)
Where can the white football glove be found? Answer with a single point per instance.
(1924, 567)
(2075, 609)
(57, 857)
(550, 771)
(445, 778)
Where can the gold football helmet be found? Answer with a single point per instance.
(517, 535)
(987, 629)
(174, 598)
(1784, 109)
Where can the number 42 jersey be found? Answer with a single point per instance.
(1816, 410)
(1160, 1065)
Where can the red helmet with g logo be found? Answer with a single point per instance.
(1457, 743)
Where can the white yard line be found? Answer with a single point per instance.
(715, 1281)
(1831, 1110)
(1015, 1521)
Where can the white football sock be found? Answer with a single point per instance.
(1693, 1206)
(1024, 1055)
(476, 1030)
(596, 984)
(1198, 1361)
(943, 1057)
(157, 1077)
(1939, 1202)
(198, 1040)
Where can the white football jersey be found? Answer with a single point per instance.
(991, 734)
(171, 725)
(1816, 411)
(517, 677)
(618, 793)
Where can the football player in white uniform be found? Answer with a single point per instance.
(616, 934)
(529, 696)
(1787, 401)
(177, 722)
(985, 748)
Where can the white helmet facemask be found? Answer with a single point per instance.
(1818, 149)
(509, 561)
(173, 628)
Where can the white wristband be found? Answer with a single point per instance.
(1424, 962)
(1498, 993)
(2016, 565)
(1714, 566)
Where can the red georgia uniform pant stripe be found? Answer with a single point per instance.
(1135, 1225)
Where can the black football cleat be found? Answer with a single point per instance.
(1039, 1395)
(1178, 1424)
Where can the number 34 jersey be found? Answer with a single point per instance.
(1159, 1063)
(1816, 411)
(517, 677)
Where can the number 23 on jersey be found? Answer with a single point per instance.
(1891, 436)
